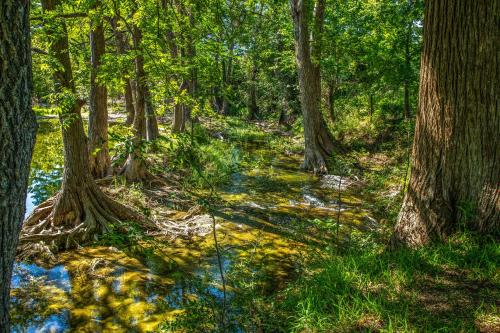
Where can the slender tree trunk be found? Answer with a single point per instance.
(80, 210)
(318, 142)
(122, 48)
(193, 72)
(331, 99)
(406, 82)
(456, 152)
(129, 101)
(227, 70)
(253, 108)
(99, 160)
(179, 121)
(134, 168)
(17, 137)
(406, 99)
(282, 120)
(151, 121)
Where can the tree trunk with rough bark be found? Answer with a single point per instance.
(17, 137)
(80, 210)
(134, 168)
(456, 152)
(99, 160)
(318, 142)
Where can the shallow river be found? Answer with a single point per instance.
(265, 223)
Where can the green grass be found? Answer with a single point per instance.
(448, 287)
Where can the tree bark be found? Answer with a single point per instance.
(253, 108)
(179, 121)
(99, 160)
(406, 99)
(122, 48)
(134, 168)
(17, 137)
(456, 152)
(331, 99)
(151, 121)
(318, 142)
(80, 210)
(129, 101)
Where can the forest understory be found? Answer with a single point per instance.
(339, 282)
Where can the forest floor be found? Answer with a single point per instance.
(300, 253)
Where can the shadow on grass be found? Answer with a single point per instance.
(447, 288)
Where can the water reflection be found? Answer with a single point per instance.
(46, 166)
(34, 291)
(42, 185)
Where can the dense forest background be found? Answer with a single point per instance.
(250, 166)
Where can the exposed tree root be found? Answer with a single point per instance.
(69, 220)
(72, 218)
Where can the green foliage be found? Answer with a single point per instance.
(199, 157)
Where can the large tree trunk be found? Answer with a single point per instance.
(456, 152)
(80, 210)
(318, 142)
(17, 137)
(99, 160)
(135, 168)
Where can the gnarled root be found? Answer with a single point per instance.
(74, 217)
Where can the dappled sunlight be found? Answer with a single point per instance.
(262, 218)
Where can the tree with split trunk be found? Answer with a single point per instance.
(318, 141)
(134, 168)
(80, 210)
(17, 137)
(456, 151)
(99, 160)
